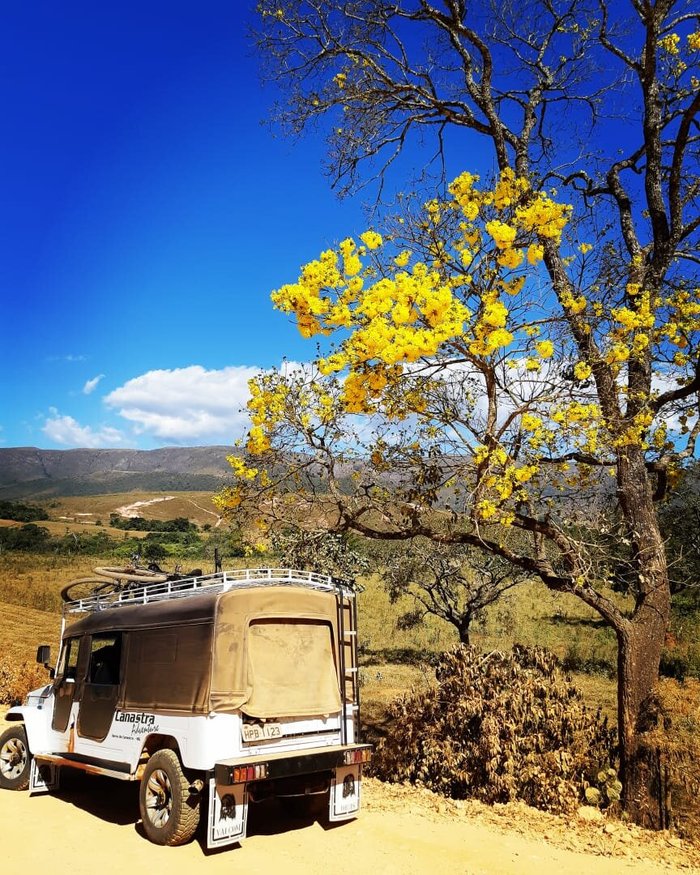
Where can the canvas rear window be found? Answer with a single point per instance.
(291, 669)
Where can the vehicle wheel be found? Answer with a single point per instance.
(15, 759)
(170, 814)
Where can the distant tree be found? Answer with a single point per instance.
(30, 538)
(154, 552)
(141, 524)
(21, 512)
(454, 583)
(321, 551)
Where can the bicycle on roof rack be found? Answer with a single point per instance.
(118, 579)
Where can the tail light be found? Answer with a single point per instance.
(241, 774)
(359, 755)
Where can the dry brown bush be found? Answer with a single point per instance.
(670, 751)
(497, 728)
(18, 678)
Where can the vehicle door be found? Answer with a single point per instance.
(101, 688)
(65, 684)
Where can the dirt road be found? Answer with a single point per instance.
(89, 827)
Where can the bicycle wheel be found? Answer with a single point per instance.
(84, 587)
(132, 574)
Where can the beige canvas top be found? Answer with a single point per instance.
(274, 653)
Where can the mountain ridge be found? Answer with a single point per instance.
(33, 472)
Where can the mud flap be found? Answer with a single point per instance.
(344, 800)
(228, 814)
(43, 777)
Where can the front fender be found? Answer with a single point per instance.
(36, 713)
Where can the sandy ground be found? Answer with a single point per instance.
(133, 510)
(90, 827)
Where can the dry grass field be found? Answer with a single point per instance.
(35, 581)
(83, 513)
(23, 629)
(85, 510)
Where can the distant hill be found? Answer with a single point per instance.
(30, 472)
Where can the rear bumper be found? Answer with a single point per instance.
(287, 765)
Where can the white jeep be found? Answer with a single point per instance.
(242, 685)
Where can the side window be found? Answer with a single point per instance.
(105, 659)
(68, 665)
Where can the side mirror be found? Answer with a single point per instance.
(43, 655)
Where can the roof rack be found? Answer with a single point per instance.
(133, 593)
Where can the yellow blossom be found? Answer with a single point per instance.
(582, 370)
(371, 239)
(486, 509)
(535, 253)
(670, 43)
(495, 314)
(514, 287)
(352, 265)
(545, 217)
(510, 258)
(524, 474)
(503, 235)
(240, 469)
(618, 352)
(530, 422)
(572, 304)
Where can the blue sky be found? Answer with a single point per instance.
(147, 212)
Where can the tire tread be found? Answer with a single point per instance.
(187, 818)
(23, 781)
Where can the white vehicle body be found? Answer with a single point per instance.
(242, 685)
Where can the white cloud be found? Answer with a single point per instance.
(91, 385)
(67, 431)
(186, 404)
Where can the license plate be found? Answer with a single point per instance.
(261, 731)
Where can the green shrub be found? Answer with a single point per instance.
(497, 728)
(21, 512)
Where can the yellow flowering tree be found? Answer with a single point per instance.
(504, 357)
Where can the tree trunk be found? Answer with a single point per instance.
(639, 654)
(641, 637)
(463, 629)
